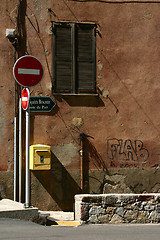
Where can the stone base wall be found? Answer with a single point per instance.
(117, 208)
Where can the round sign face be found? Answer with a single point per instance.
(25, 98)
(28, 71)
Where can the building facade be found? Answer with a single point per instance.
(101, 67)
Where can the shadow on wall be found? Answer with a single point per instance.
(81, 100)
(90, 158)
(59, 184)
(96, 158)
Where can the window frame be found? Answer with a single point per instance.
(74, 61)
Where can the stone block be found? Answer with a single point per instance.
(104, 218)
(143, 217)
(96, 210)
(131, 215)
(128, 198)
(93, 219)
(155, 217)
(157, 199)
(116, 219)
(149, 207)
(110, 200)
(120, 211)
(110, 210)
(158, 208)
(136, 206)
(91, 199)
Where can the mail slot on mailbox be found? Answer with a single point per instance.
(40, 157)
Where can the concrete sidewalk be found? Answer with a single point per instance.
(11, 209)
(59, 215)
(61, 218)
(16, 210)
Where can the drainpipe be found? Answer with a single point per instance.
(15, 44)
(82, 160)
(82, 138)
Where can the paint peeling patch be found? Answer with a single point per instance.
(48, 30)
(145, 197)
(147, 16)
(116, 184)
(66, 154)
(77, 122)
(38, 6)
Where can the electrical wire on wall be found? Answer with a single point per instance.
(108, 62)
(68, 127)
(16, 115)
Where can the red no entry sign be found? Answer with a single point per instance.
(25, 98)
(28, 71)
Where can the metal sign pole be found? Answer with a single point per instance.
(27, 196)
(28, 72)
(15, 159)
(20, 150)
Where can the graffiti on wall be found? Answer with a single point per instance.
(126, 153)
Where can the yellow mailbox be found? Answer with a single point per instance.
(40, 157)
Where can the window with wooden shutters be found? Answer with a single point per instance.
(74, 58)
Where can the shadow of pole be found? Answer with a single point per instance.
(88, 153)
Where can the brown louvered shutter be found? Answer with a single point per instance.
(63, 59)
(74, 58)
(85, 59)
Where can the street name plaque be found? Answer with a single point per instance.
(41, 104)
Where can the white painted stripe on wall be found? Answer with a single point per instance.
(28, 71)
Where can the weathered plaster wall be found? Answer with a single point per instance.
(122, 152)
(6, 92)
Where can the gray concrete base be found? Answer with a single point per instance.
(16, 210)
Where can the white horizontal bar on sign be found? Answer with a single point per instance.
(25, 99)
(28, 71)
